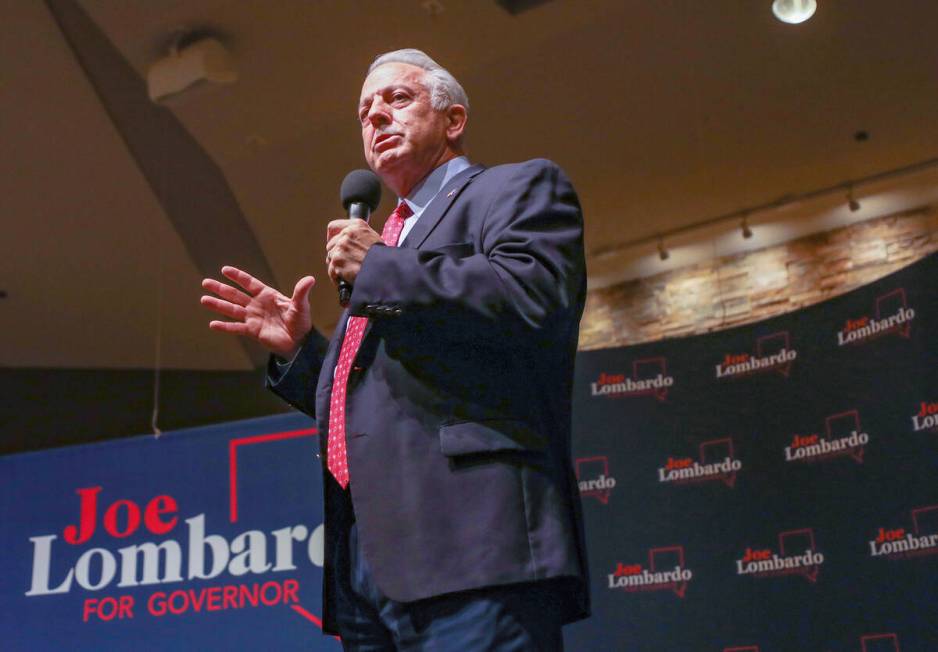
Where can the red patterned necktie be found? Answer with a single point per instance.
(336, 457)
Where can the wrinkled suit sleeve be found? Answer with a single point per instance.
(295, 382)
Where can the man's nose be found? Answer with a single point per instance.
(379, 113)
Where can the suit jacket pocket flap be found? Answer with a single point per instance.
(470, 437)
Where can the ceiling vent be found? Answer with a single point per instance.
(188, 64)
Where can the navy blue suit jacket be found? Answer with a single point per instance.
(458, 413)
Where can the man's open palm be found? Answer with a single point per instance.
(276, 321)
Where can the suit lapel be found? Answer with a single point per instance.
(438, 207)
(430, 217)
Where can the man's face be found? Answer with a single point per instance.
(403, 136)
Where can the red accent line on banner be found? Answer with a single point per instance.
(308, 616)
(233, 460)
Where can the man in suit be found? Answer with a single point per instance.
(443, 399)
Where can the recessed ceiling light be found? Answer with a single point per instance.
(794, 11)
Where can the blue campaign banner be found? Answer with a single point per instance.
(202, 539)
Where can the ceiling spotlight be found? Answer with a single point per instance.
(794, 11)
(852, 202)
(747, 232)
(663, 253)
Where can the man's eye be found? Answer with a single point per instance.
(399, 97)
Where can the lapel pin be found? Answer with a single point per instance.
(451, 193)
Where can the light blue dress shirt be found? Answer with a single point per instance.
(427, 190)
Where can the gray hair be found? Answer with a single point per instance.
(443, 87)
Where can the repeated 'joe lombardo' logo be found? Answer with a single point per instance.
(773, 354)
(667, 571)
(899, 543)
(843, 436)
(717, 463)
(649, 378)
(891, 316)
(593, 478)
(926, 417)
(797, 555)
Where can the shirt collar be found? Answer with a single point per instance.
(424, 192)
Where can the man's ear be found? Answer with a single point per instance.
(456, 116)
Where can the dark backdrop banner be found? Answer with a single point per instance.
(202, 539)
(771, 488)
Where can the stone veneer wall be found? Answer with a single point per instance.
(747, 287)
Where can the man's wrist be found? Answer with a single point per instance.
(287, 357)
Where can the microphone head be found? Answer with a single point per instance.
(360, 186)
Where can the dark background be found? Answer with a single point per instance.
(844, 502)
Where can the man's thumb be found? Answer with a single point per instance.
(301, 291)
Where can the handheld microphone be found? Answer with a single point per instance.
(360, 194)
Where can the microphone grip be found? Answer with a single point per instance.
(356, 211)
(345, 292)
